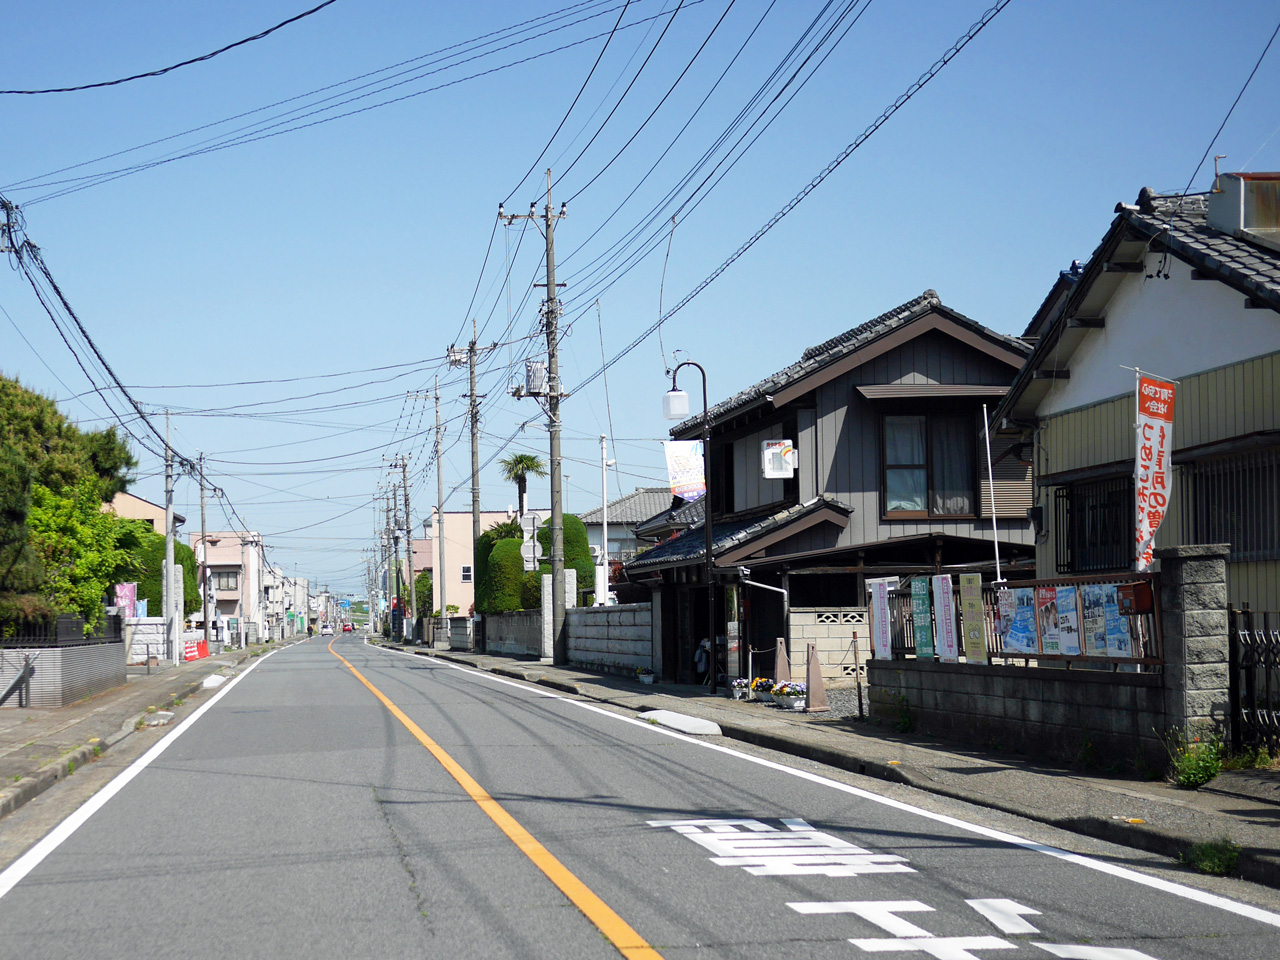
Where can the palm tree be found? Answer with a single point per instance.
(518, 468)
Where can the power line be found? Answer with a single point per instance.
(889, 111)
(184, 63)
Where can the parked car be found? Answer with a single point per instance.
(326, 630)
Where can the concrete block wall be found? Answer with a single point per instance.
(516, 634)
(833, 630)
(1047, 713)
(67, 674)
(1094, 715)
(615, 639)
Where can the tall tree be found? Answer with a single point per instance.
(518, 468)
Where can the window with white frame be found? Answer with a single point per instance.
(466, 574)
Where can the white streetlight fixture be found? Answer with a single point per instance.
(675, 405)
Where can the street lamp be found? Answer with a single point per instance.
(675, 406)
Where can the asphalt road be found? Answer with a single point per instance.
(432, 811)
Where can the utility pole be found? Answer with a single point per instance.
(551, 315)
(204, 560)
(438, 575)
(394, 514)
(408, 548)
(475, 446)
(167, 599)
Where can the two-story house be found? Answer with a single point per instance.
(892, 480)
(1186, 288)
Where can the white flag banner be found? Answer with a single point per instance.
(684, 467)
(1151, 468)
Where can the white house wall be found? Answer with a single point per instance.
(1200, 325)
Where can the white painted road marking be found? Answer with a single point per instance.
(800, 850)
(1077, 952)
(1006, 915)
(941, 948)
(1089, 863)
(12, 874)
(883, 913)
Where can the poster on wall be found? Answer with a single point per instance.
(1017, 622)
(1047, 616)
(1151, 472)
(881, 645)
(972, 625)
(1069, 621)
(1093, 603)
(922, 618)
(1117, 626)
(945, 617)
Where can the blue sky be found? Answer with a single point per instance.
(319, 254)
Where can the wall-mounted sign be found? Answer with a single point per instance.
(945, 617)
(922, 618)
(972, 624)
(778, 459)
(881, 635)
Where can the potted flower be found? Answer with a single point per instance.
(761, 687)
(790, 696)
(644, 674)
(741, 688)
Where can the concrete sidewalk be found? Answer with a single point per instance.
(40, 746)
(1155, 816)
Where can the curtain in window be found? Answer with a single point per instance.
(905, 475)
(951, 451)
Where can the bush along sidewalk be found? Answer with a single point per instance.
(1194, 760)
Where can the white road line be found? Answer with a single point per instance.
(1123, 873)
(11, 875)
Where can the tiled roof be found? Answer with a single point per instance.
(634, 507)
(691, 544)
(815, 358)
(681, 513)
(1181, 223)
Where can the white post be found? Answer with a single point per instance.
(602, 589)
(991, 485)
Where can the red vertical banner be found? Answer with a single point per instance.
(1153, 473)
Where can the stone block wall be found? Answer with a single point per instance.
(1193, 607)
(144, 636)
(615, 639)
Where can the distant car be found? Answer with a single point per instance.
(326, 630)
(347, 628)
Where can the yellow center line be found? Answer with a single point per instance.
(629, 943)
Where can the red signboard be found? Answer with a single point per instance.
(1152, 470)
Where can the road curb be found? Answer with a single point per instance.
(32, 785)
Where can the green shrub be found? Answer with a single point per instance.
(577, 552)
(531, 589)
(505, 576)
(1193, 760)
(1214, 857)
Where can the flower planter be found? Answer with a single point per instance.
(646, 678)
(786, 703)
(740, 693)
(764, 696)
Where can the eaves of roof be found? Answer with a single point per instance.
(816, 358)
(690, 546)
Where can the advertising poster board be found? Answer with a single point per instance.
(1093, 604)
(1047, 615)
(972, 625)
(922, 618)
(1069, 621)
(1117, 627)
(127, 599)
(1020, 634)
(945, 617)
(881, 644)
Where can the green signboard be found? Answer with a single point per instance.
(922, 617)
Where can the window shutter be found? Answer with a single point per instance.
(1014, 493)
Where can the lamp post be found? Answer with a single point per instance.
(675, 406)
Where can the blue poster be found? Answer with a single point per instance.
(1118, 643)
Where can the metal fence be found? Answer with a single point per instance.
(1253, 651)
(1143, 627)
(66, 631)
